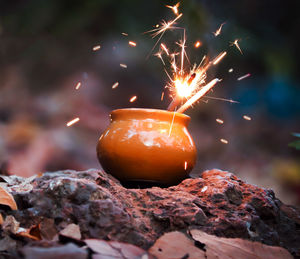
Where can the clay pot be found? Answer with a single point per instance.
(147, 145)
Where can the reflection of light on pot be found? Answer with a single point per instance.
(137, 146)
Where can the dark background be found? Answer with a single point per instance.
(46, 48)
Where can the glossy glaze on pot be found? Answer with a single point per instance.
(147, 145)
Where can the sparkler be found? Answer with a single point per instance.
(198, 95)
(72, 122)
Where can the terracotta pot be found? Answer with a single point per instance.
(147, 145)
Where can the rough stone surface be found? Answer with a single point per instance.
(218, 203)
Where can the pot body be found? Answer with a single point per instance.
(147, 145)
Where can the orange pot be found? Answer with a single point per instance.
(147, 145)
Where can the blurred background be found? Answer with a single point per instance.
(46, 48)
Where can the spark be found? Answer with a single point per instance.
(182, 46)
(124, 34)
(164, 48)
(219, 58)
(132, 43)
(160, 30)
(219, 121)
(72, 122)
(247, 118)
(174, 8)
(197, 44)
(123, 65)
(224, 141)
(95, 48)
(78, 85)
(198, 95)
(185, 165)
(230, 70)
(235, 43)
(204, 189)
(162, 96)
(158, 54)
(221, 99)
(115, 85)
(171, 126)
(218, 31)
(133, 98)
(243, 77)
(164, 27)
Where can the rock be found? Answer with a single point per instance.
(218, 203)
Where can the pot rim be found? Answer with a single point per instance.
(146, 113)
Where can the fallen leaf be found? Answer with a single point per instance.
(128, 250)
(71, 231)
(102, 247)
(7, 199)
(230, 248)
(32, 233)
(176, 245)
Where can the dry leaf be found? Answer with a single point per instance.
(176, 245)
(7, 199)
(230, 248)
(32, 233)
(116, 250)
(102, 247)
(71, 231)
